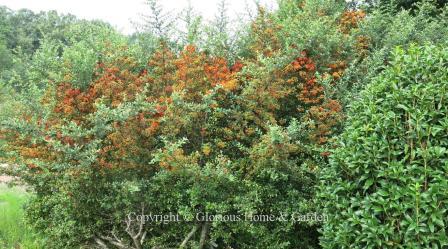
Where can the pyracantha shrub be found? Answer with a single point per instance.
(187, 132)
(386, 183)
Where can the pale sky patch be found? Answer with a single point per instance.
(121, 13)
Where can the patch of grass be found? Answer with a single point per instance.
(14, 234)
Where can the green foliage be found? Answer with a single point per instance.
(24, 29)
(314, 27)
(30, 42)
(385, 185)
(380, 33)
(157, 21)
(192, 30)
(394, 6)
(5, 56)
(386, 31)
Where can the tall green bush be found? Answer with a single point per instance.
(386, 185)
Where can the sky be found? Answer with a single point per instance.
(121, 13)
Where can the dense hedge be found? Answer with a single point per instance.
(386, 186)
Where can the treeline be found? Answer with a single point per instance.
(23, 33)
(319, 107)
